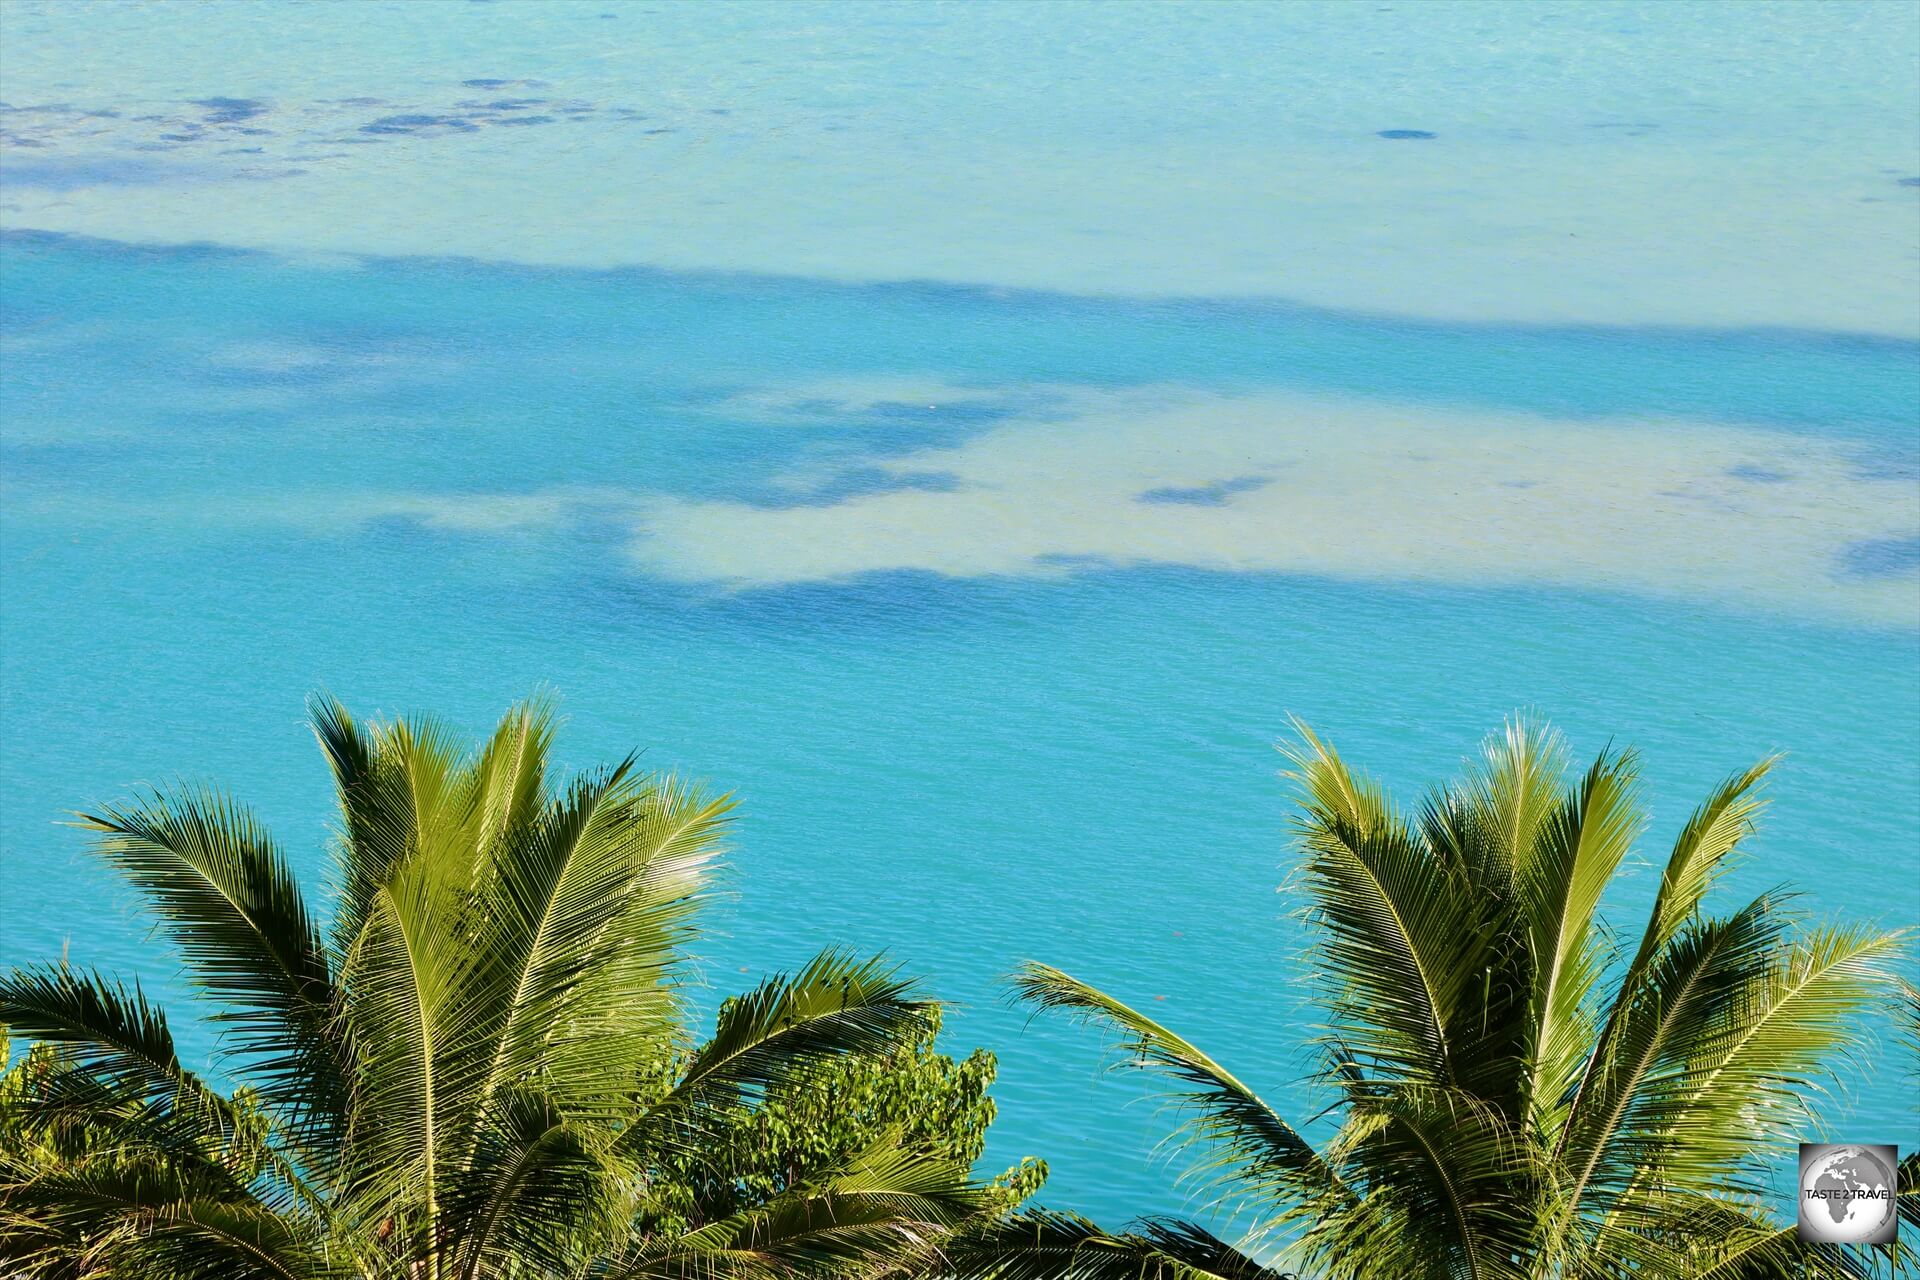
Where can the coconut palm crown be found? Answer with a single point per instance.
(443, 1081)
(1517, 1096)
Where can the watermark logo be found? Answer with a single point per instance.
(1847, 1193)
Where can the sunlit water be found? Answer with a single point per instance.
(969, 433)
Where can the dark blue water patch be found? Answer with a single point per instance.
(1910, 182)
(76, 172)
(186, 253)
(1753, 474)
(815, 406)
(1406, 135)
(1898, 461)
(230, 110)
(490, 83)
(57, 109)
(898, 602)
(1881, 558)
(764, 331)
(524, 120)
(417, 123)
(829, 429)
(848, 483)
(879, 604)
(1206, 495)
(1078, 562)
(396, 531)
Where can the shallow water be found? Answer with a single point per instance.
(988, 593)
(1659, 161)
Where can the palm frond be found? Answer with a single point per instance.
(1448, 1181)
(376, 817)
(224, 895)
(511, 772)
(887, 1210)
(1670, 1012)
(539, 1192)
(404, 792)
(1730, 1240)
(412, 1080)
(102, 1025)
(582, 927)
(1577, 847)
(1403, 938)
(1909, 1195)
(1727, 1057)
(1703, 849)
(1513, 794)
(1265, 1153)
(1043, 1245)
(786, 1026)
(1759, 1070)
(143, 1217)
(76, 1114)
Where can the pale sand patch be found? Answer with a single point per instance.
(1271, 483)
(1347, 490)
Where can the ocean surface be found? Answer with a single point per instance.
(968, 432)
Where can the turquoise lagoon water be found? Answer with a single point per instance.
(969, 433)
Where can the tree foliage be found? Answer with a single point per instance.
(1519, 1099)
(911, 1095)
(480, 1066)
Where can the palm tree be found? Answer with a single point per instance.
(1517, 1098)
(445, 1081)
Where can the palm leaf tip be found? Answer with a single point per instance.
(104, 1025)
(789, 1025)
(1252, 1149)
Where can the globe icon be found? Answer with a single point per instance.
(1846, 1195)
